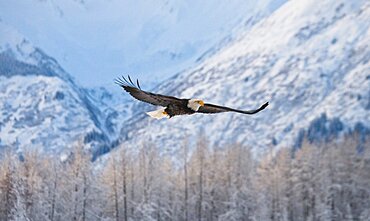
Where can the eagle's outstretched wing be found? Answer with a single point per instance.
(212, 109)
(151, 98)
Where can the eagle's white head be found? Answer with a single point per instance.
(195, 104)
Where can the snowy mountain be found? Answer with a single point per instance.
(309, 59)
(101, 39)
(41, 105)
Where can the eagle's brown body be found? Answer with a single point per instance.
(180, 108)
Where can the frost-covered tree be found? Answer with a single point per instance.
(240, 195)
(111, 188)
(76, 183)
(51, 174)
(318, 182)
(185, 155)
(30, 185)
(123, 162)
(197, 179)
(7, 186)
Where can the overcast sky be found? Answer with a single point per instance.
(97, 40)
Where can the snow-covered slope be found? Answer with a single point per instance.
(41, 106)
(309, 59)
(96, 40)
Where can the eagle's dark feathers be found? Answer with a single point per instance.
(148, 97)
(212, 109)
(173, 103)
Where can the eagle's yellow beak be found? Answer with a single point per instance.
(201, 103)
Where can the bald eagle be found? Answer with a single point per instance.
(172, 106)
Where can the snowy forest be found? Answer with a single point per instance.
(328, 181)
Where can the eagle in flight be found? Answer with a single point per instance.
(172, 106)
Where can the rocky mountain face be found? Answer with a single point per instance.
(41, 105)
(309, 59)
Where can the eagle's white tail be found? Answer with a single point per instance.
(158, 114)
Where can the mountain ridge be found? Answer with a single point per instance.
(43, 107)
(305, 58)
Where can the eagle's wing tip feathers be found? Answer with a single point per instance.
(123, 82)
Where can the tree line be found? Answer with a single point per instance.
(326, 182)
